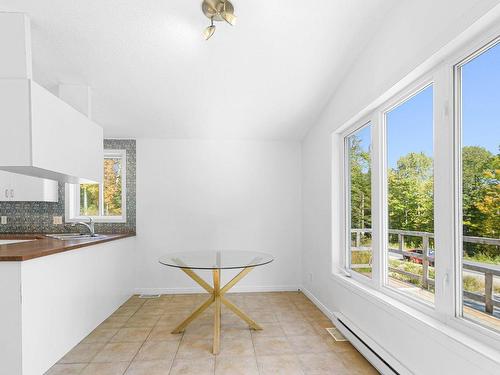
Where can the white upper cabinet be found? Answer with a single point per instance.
(41, 135)
(16, 187)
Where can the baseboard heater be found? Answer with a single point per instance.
(367, 349)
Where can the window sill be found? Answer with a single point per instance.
(98, 219)
(455, 329)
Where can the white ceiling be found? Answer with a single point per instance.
(152, 74)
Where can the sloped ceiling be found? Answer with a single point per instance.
(153, 75)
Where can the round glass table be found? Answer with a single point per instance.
(216, 261)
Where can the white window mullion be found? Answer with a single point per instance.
(101, 198)
(378, 199)
(445, 193)
(347, 204)
(76, 194)
(339, 223)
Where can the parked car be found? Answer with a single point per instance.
(418, 259)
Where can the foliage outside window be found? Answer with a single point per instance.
(359, 200)
(106, 201)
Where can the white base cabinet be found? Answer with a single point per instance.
(49, 304)
(21, 188)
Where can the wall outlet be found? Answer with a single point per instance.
(3, 220)
(310, 277)
(57, 220)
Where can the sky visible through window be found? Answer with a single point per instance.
(481, 112)
(481, 101)
(412, 127)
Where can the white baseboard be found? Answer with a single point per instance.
(318, 304)
(382, 360)
(236, 289)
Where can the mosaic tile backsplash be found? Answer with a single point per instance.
(37, 217)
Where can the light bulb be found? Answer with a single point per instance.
(208, 32)
(229, 18)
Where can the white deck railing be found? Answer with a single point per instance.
(427, 259)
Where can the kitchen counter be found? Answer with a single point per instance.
(37, 245)
(51, 303)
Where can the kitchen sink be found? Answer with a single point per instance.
(74, 236)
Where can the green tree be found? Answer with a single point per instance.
(490, 204)
(360, 184)
(112, 187)
(410, 193)
(481, 200)
(89, 199)
(478, 172)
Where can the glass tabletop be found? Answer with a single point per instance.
(216, 259)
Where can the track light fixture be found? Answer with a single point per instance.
(217, 10)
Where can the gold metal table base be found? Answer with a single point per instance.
(216, 297)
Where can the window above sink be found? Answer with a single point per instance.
(106, 202)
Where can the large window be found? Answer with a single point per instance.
(410, 196)
(359, 198)
(420, 197)
(102, 202)
(479, 109)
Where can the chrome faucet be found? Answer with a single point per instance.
(89, 225)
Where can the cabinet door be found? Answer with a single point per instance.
(33, 189)
(5, 186)
(17, 187)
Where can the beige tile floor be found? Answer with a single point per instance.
(136, 340)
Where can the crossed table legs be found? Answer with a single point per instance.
(216, 297)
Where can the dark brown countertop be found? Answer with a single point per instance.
(42, 246)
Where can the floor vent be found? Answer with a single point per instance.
(336, 334)
(149, 296)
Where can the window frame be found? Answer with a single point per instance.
(73, 195)
(440, 71)
(346, 184)
(461, 60)
(391, 104)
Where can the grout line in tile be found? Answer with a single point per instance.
(175, 355)
(134, 357)
(254, 353)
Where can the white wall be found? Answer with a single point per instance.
(208, 194)
(410, 35)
